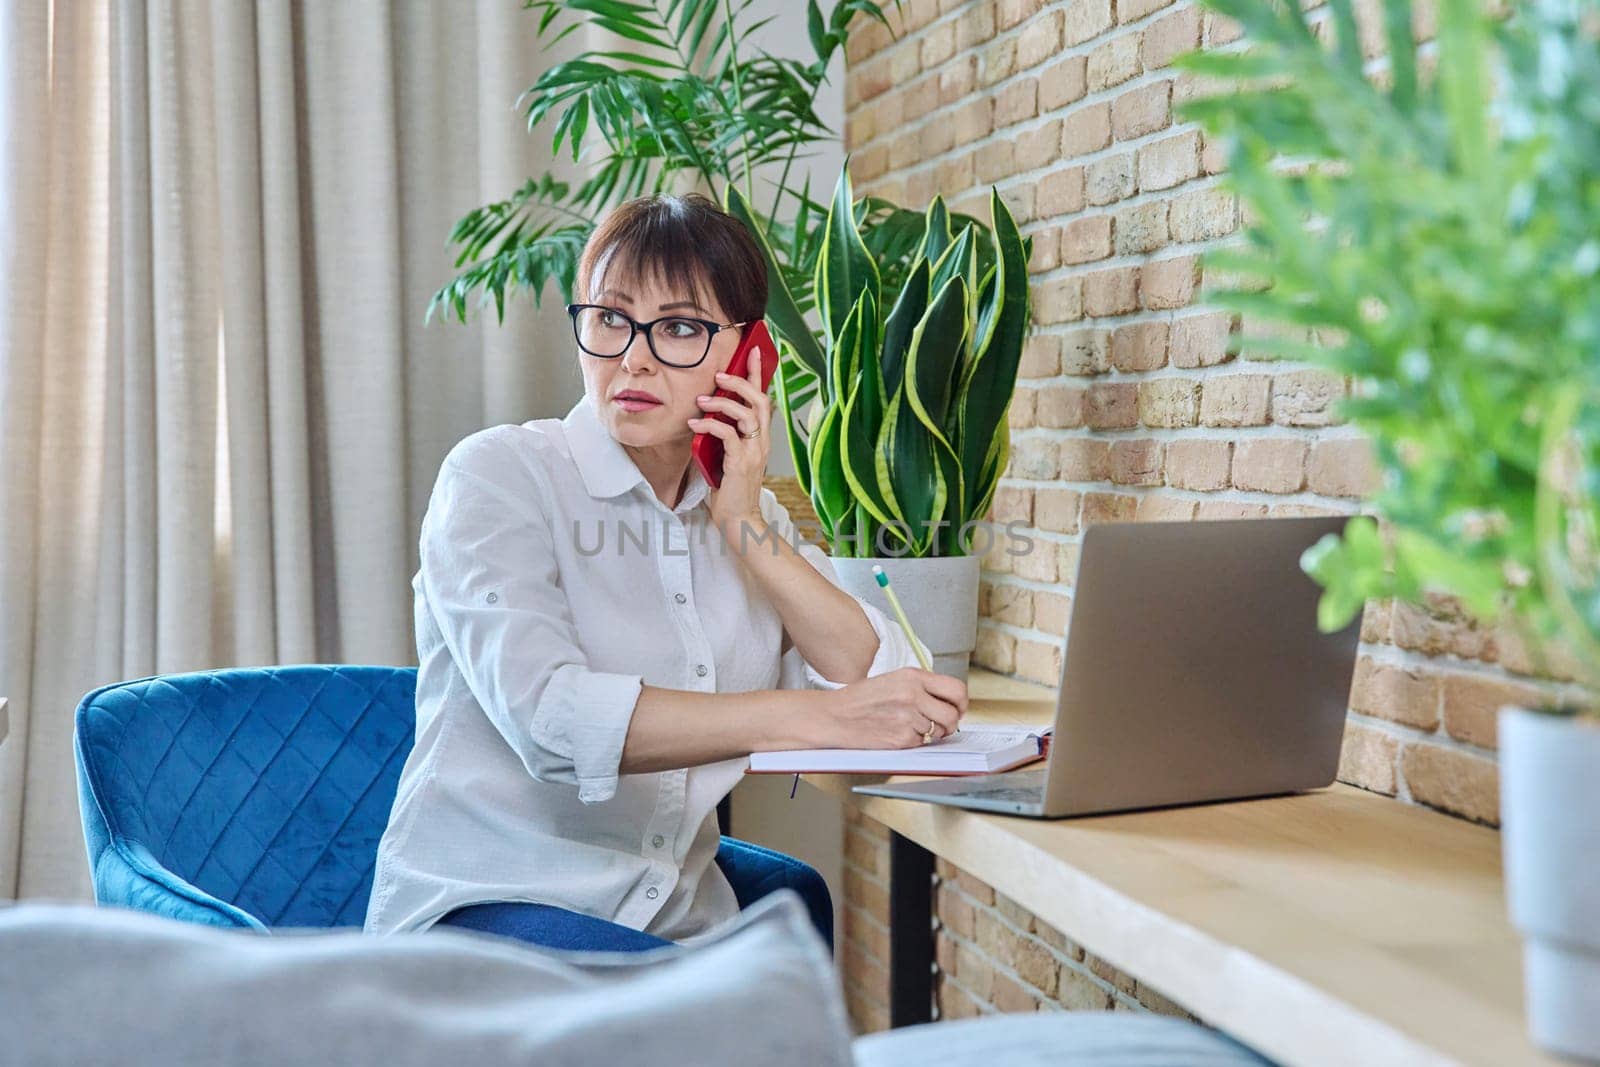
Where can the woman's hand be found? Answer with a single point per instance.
(744, 459)
(892, 710)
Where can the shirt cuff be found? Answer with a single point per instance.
(584, 717)
(894, 649)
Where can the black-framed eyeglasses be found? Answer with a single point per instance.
(676, 340)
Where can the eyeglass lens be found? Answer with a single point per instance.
(605, 332)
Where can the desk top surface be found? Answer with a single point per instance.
(1334, 927)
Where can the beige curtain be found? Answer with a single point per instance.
(221, 411)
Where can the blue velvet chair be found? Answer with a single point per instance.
(255, 797)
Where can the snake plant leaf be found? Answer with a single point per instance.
(830, 492)
(960, 259)
(936, 344)
(936, 231)
(989, 381)
(909, 472)
(844, 267)
(863, 422)
(794, 386)
(907, 312)
(782, 310)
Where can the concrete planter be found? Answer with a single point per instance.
(939, 595)
(1550, 836)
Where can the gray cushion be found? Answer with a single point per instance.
(104, 985)
(1055, 1039)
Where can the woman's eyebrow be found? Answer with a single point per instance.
(626, 299)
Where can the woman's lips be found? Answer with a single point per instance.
(632, 403)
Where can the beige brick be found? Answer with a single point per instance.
(1453, 781)
(997, 161)
(1035, 965)
(1041, 355)
(1367, 758)
(1159, 1004)
(1059, 300)
(957, 173)
(1169, 403)
(1067, 563)
(1039, 662)
(1141, 228)
(1038, 147)
(1139, 346)
(1084, 459)
(1111, 292)
(974, 887)
(1061, 943)
(1166, 284)
(1441, 627)
(1203, 215)
(1221, 30)
(1013, 913)
(1306, 398)
(1051, 612)
(1046, 248)
(1396, 693)
(1085, 352)
(1156, 507)
(974, 26)
(1136, 462)
(958, 79)
(1034, 457)
(1213, 154)
(1061, 407)
(997, 61)
(1270, 465)
(1112, 406)
(1113, 62)
(1472, 704)
(1011, 502)
(1235, 400)
(1012, 604)
(938, 45)
(1056, 510)
(1016, 102)
(1375, 620)
(1063, 82)
(1229, 509)
(935, 139)
(975, 972)
(1016, 12)
(973, 120)
(1040, 39)
(1086, 129)
(1169, 161)
(1109, 179)
(1086, 240)
(1342, 468)
(1142, 110)
(1010, 996)
(1077, 991)
(1134, 10)
(1104, 971)
(1035, 565)
(1199, 464)
(1108, 507)
(1085, 20)
(871, 897)
(1201, 340)
(996, 650)
(1060, 192)
(1170, 36)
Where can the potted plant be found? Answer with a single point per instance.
(906, 436)
(1437, 242)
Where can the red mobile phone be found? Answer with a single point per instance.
(707, 448)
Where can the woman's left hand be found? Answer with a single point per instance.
(744, 459)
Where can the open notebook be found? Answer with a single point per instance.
(977, 749)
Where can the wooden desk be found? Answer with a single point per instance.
(1336, 927)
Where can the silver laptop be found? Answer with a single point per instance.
(1194, 671)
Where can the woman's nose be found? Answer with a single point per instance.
(638, 355)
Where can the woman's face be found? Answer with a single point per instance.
(674, 390)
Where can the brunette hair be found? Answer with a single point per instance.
(683, 242)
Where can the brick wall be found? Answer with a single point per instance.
(1130, 406)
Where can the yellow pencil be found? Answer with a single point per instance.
(905, 623)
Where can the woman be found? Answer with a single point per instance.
(598, 655)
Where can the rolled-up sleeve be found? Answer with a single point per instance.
(894, 648)
(490, 577)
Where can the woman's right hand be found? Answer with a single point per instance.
(892, 710)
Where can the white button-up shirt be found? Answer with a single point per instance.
(553, 584)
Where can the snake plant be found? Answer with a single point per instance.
(907, 436)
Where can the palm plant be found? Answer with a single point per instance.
(913, 378)
(690, 98)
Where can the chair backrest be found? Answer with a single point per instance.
(266, 788)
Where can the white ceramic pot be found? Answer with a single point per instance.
(1550, 836)
(939, 595)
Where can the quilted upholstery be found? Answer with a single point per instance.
(255, 796)
(243, 797)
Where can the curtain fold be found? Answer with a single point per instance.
(222, 414)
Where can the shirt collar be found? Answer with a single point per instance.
(606, 467)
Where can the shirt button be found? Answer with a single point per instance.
(652, 892)
(700, 669)
(679, 597)
(492, 597)
(658, 841)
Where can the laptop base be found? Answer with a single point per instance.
(1011, 792)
